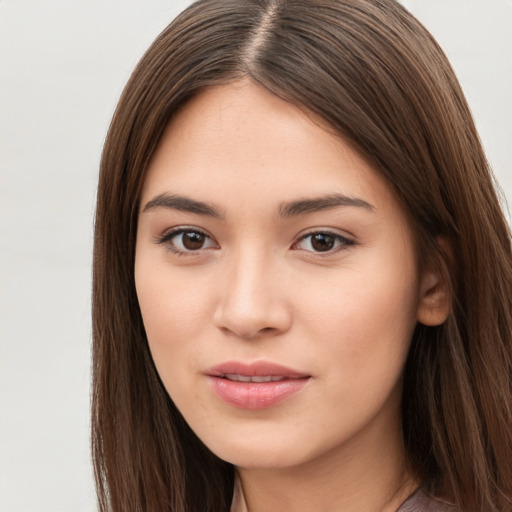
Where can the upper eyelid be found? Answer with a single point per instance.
(330, 231)
(170, 232)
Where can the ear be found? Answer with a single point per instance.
(435, 292)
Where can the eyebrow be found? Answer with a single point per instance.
(183, 204)
(304, 206)
(286, 209)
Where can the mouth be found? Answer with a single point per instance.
(257, 385)
(252, 378)
(260, 371)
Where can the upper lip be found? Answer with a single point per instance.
(254, 369)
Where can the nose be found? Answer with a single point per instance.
(252, 301)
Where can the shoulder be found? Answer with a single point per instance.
(420, 501)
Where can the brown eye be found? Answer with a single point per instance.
(185, 240)
(193, 241)
(322, 242)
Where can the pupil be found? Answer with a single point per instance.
(322, 242)
(193, 241)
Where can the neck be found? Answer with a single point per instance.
(366, 474)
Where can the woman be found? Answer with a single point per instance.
(302, 281)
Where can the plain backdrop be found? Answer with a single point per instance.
(62, 67)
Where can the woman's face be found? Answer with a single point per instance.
(277, 281)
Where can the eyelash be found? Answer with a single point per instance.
(167, 238)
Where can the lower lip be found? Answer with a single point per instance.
(256, 395)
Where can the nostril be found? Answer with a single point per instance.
(249, 334)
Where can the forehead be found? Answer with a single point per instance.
(241, 141)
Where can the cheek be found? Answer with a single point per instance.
(174, 313)
(170, 298)
(364, 322)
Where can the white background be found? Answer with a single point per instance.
(62, 67)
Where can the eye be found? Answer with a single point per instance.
(187, 240)
(323, 242)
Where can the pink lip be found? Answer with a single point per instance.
(255, 395)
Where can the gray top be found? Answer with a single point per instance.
(419, 501)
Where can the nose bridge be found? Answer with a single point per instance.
(251, 301)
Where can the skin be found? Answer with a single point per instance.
(258, 289)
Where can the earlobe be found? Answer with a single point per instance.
(434, 300)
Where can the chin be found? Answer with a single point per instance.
(251, 458)
(265, 452)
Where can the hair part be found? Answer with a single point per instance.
(372, 74)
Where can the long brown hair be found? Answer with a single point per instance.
(377, 78)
